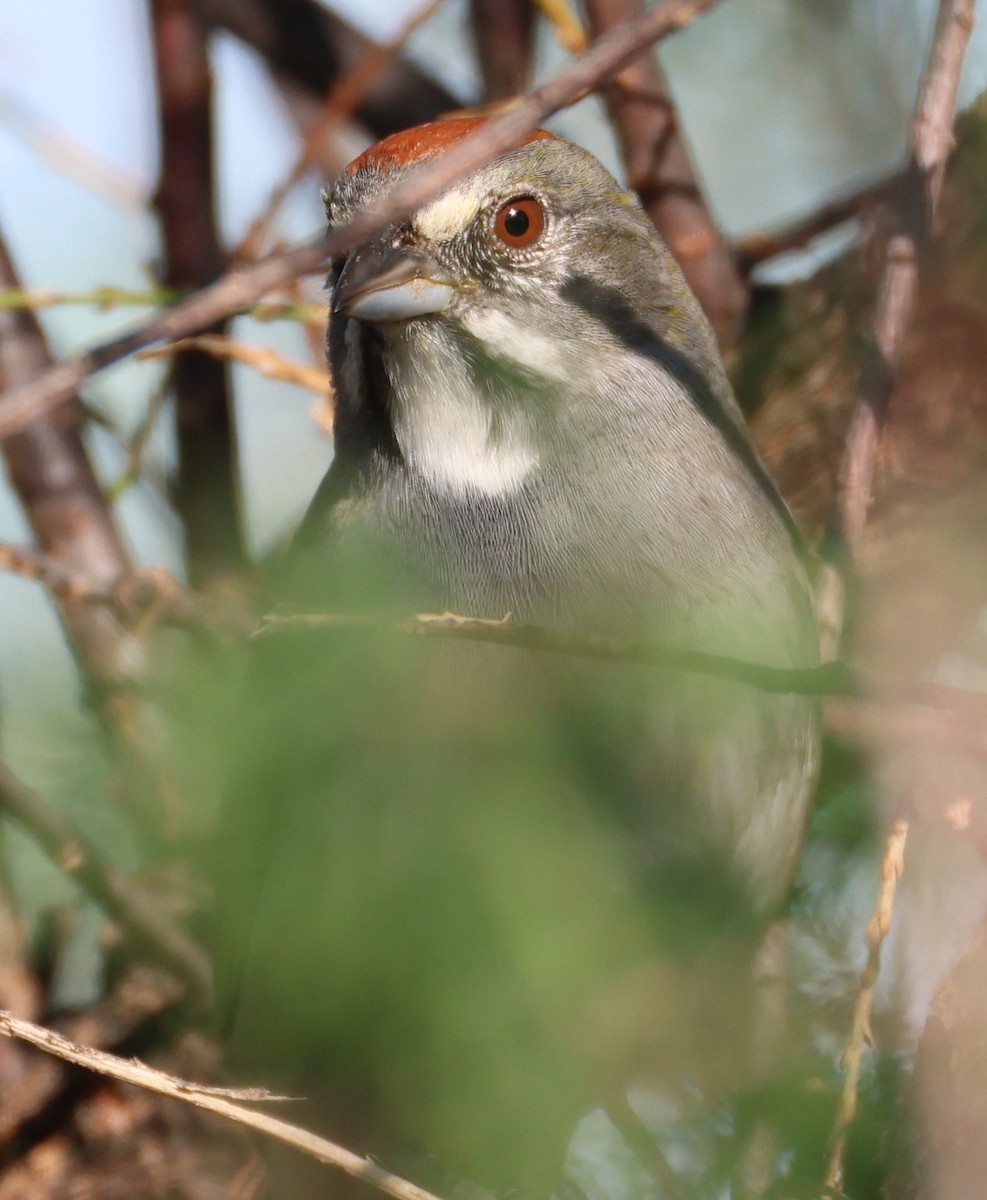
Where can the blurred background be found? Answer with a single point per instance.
(797, 116)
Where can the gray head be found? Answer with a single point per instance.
(524, 276)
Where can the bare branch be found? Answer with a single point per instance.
(107, 296)
(828, 679)
(138, 998)
(932, 129)
(136, 910)
(660, 170)
(67, 156)
(206, 480)
(150, 594)
(140, 1075)
(262, 358)
(50, 471)
(755, 248)
(503, 40)
(931, 143)
(243, 286)
(566, 23)
(156, 593)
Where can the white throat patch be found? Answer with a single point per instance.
(447, 430)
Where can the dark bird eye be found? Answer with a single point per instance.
(520, 222)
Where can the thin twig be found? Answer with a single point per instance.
(138, 913)
(340, 102)
(149, 592)
(153, 590)
(106, 297)
(138, 998)
(308, 47)
(827, 679)
(932, 129)
(140, 1075)
(932, 139)
(860, 1034)
(262, 358)
(758, 247)
(51, 473)
(73, 587)
(243, 286)
(931, 144)
(136, 443)
(70, 158)
(563, 17)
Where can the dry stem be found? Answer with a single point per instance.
(212, 1100)
(860, 1033)
(262, 358)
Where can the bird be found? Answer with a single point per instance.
(532, 425)
(532, 418)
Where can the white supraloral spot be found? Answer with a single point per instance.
(446, 217)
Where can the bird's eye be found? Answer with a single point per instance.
(519, 222)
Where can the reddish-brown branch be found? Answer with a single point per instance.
(503, 41)
(50, 471)
(242, 287)
(660, 170)
(206, 490)
(756, 248)
(932, 138)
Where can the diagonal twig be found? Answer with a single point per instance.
(126, 901)
(243, 286)
(264, 359)
(340, 102)
(211, 1100)
(309, 47)
(139, 594)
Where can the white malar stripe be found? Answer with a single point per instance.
(509, 339)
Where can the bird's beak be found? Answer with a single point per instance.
(381, 283)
